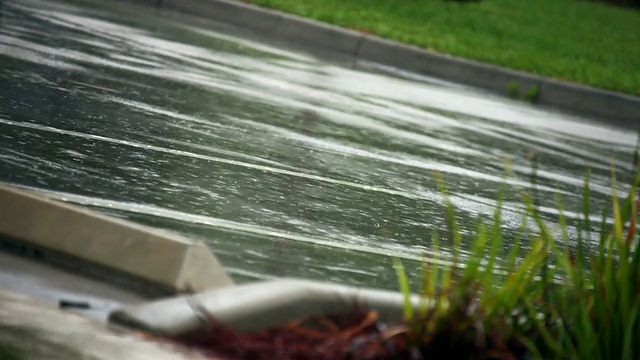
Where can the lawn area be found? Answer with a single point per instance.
(575, 40)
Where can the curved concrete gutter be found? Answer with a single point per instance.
(153, 261)
(571, 97)
(257, 306)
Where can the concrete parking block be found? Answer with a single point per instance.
(160, 258)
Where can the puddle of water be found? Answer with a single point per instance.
(285, 164)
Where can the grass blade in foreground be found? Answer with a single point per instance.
(582, 314)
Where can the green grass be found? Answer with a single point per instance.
(575, 40)
(499, 306)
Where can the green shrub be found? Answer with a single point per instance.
(531, 95)
(513, 89)
(499, 306)
(627, 3)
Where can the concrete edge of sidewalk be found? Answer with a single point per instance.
(562, 95)
(93, 243)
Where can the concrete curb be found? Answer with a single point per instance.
(570, 97)
(162, 260)
(258, 19)
(258, 306)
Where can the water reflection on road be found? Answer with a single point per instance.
(285, 164)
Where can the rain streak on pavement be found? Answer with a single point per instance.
(285, 164)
